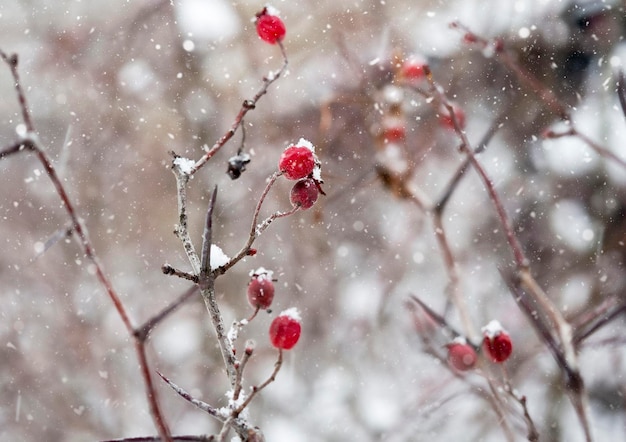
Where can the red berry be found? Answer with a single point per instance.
(269, 26)
(412, 69)
(285, 329)
(461, 355)
(446, 120)
(394, 134)
(304, 193)
(261, 289)
(297, 161)
(497, 342)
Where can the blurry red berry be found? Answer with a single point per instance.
(261, 289)
(297, 161)
(269, 26)
(394, 134)
(304, 193)
(446, 120)
(412, 69)
(461, 355)
(497, 342)
(285, 329)
(470, 38)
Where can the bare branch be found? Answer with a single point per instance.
(621, 91)
(32, 141)
(143, 331)
(205, 265)
(198, 403)
(247, 106)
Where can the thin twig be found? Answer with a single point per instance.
(256, 228)
(621, 91)
(600, 321)
(198, 403)
(439, 319)
(497, 406)
(533, 434)
(205, 263)
(201, 438)
(256, 390)
(16, 147)
(544, 93)
(240, 369)
(169, 270)
(240, 425)
(144, 330)
(247, 106)
(453, 287)
(564, 352)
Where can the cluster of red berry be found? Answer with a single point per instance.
(285, 328)
(496, 345)
(299, 162)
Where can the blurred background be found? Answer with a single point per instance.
(114, 86)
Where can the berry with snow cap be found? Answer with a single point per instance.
(413, 69)
(461, 355)
(497, 342)
(269, 26)
(285, 329)
(298, 161)
(261, 288)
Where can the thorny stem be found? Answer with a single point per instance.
(32, 142)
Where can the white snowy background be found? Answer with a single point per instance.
(113, 86)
